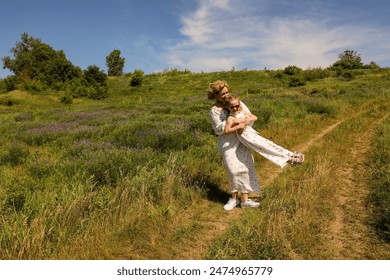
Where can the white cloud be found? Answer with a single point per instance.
(202, 24)
(224, 34)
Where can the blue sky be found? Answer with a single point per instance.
(202, 35)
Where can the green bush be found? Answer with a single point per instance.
(315, 74)
(34, 85)
(77, 88)
(94, 76)
(9, 83)
(292, 70)
(346, 75)
(98, 92)
(137, 78)
(296, 82)
(278, 75)
(92, 85)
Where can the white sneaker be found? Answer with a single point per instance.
(249, 203)
(231, 204)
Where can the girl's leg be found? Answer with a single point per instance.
(233, 202)
(248, 203)
(244, 197)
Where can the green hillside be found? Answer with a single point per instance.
(137, 175)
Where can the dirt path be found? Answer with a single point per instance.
(196, 249)
(353, 238)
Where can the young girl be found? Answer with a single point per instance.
(250, 138)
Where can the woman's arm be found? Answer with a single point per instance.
(247, 119)
(218, 120)
(250, 118)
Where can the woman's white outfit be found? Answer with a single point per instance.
(237, 158)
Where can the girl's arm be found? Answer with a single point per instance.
(248, 119)
(232, 125)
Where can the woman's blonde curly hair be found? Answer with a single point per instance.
(215, 89)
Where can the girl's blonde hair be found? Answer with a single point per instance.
(215, 88)
(229, 100)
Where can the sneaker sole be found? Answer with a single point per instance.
(248, 206)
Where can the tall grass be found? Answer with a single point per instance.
(129, 176)
(380, 182)
(298, 207)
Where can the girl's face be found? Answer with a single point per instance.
(223, 95)
(234, 106)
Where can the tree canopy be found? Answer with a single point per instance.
(348, 59)
(115, 63)
(38, 61)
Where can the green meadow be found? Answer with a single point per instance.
(137, 175)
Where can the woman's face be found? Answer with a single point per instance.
(223, 95)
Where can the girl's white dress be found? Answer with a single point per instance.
(237, 158)
(266, 148)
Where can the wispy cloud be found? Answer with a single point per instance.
(223, 34)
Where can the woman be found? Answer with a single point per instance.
(237, 158)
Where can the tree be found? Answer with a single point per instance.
(96, 81)
(34, 60)
(115, 63)
(348, 59)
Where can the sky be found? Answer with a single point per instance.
(201, 35)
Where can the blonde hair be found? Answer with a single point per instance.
(229, 100)
(215, 88)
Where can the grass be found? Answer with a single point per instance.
(297, 208)
(130, 176)
(380, 180)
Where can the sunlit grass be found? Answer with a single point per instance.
(298, 207)
(130, 176)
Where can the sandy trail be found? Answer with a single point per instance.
(352, 237)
